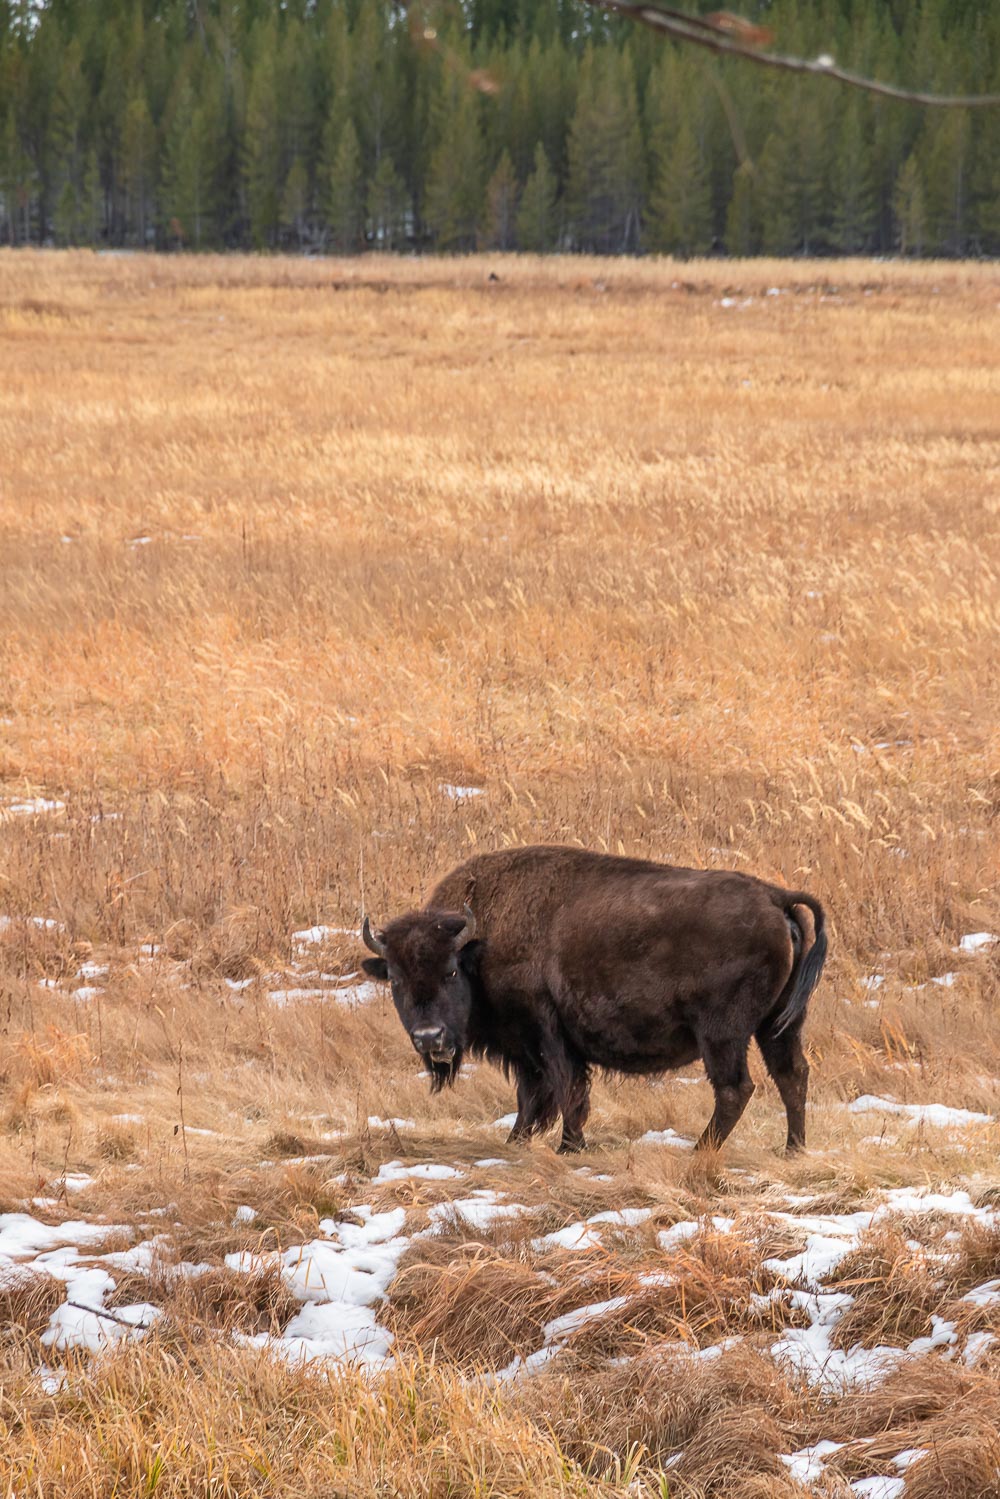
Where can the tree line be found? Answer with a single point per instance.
(535, 125)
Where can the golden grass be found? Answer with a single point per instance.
(664, 564)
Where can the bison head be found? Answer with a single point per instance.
(429, 958)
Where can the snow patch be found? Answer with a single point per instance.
(310, 936)
(480, 1211)
(937, 1114)
(806, 1465)
(35, 806)
(879, 1488)
(666, 1137)
(585, 1235)
(974, 942)
(394, 1171)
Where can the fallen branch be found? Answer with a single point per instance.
(99, 1311)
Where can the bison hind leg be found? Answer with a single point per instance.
(726, 1066)
(786, 1062)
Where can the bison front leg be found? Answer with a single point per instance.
(536, 1106)
(726, 1066)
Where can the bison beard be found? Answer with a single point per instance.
(443, 1074)
(573, 960)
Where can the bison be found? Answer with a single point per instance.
(552, 961)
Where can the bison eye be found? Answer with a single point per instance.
(452, 973)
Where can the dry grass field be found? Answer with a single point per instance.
(316, 576)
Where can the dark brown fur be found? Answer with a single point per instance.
(584, 960)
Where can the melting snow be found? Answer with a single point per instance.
(282, 997)
(394, 1171)
(82, 1322)
(904, 1460)
(554, 1334)
(670, 1238)
(44, 923)
(35, 806)
(937, 1114)
(986, 1295)
(354, 994)
(815, 1263)
(585, 1235)
(666, 1137)
(977, 1345)
(974, 942)
(878, 1488)
(341, 1276)
(480, 1211)
(460, 793)
(338, 1278)
(74, 1181)
(311, 935)
(806, 1465)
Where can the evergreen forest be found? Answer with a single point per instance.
(345, 125)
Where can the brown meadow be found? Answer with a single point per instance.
(694, 562)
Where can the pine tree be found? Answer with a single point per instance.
(65, 153)
(680, 208)
(910, 209)
(93, 201)
(854, 205)
(501, 206)
(455, 182)
(138, 165)
(9, 175)
(808, 122)
(741, 237)
(376, 93)
(295, 200)
(604, 189)
(187, 190)
(985, 182)
(387, 206)
(774, 197)
(536, 216)
(345, 204)
(262, 149)
(946, 160)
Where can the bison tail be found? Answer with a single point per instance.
(808, 964)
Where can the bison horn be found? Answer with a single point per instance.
(469, 929)
(370, 940)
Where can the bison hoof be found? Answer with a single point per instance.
(570, 1147)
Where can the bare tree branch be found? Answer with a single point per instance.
(718, 35)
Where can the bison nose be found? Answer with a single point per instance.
(430, 1038)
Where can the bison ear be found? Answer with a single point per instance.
(377, 967)
(469, 956)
